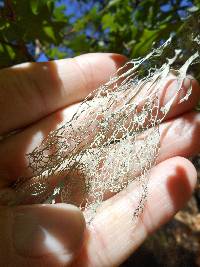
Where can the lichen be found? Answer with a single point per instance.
(113, 138)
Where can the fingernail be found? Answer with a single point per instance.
(47, 229)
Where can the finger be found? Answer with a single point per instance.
(178, 106)
(15, 165)
(23, 143)
(40, 235)
(180, 136)
(31, 91)
(112, 238)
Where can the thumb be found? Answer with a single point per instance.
(40, 235)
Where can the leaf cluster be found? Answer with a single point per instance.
(29, 29)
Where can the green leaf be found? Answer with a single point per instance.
(108, 22)
(3, 25)
(145, 42)
(55, 53)
(113, 3)
(50, 5)
(79, 24)
(50, 32)
(59, 13)
(34, 4)
(79, 44)
(10, 51)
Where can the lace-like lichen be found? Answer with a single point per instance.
(112, 139)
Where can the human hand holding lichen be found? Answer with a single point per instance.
(36, 99)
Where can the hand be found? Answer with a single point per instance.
(36, 97)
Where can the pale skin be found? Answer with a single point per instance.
(36, 97)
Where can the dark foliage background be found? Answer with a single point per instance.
(51, 29)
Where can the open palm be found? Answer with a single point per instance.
(36, 98)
